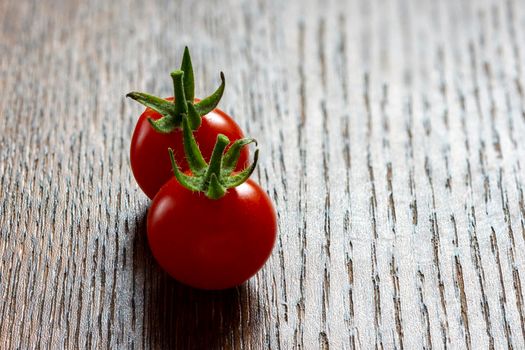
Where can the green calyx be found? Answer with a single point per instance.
(183, 104)
(217, 176)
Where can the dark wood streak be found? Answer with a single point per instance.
(424, 311)
(434, 227)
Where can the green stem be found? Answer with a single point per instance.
(181, 106)
(215, 189)
(194, 118)
(214, 166)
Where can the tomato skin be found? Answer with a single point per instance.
(149, 157)
(211, 244)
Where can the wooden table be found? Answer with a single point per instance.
(391, 138)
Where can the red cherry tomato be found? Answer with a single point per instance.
(149, 157)
(211, 244)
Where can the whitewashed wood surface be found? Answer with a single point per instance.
(392, 142)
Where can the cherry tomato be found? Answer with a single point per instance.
(149, 149)
(211, 244)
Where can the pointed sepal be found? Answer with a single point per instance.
(231, 157)
(237, 179)
(164, 125)
(190, 182)
(194, 118)
(187, 68)
(193, 154)
(165, 108)
(159, 105)
(209, 103)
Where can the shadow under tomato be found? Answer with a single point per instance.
(181, 317)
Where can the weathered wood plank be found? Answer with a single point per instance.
(391, 143)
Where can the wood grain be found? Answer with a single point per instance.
(391, 137)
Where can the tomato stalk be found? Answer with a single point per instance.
(211, 177)
(181, 106)
(183, 103)
(216, 177)
(187, 68)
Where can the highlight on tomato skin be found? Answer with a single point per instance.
(211, 244)
(149, 157)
